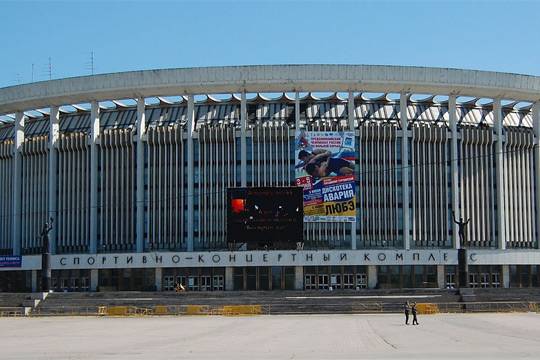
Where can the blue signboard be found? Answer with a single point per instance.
(10, 261)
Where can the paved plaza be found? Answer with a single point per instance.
(488, 336)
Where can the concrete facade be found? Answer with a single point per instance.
(145, 179)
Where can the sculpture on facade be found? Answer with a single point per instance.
(46, 256)
(462, 229)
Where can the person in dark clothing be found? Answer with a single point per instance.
(407, 309)
(314, 156)
(462, 229)
(414, 311)
(336, 166)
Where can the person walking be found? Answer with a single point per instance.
(414, 311)
(407, 309)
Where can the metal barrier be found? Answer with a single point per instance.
(11, 311)
(231, 310)
(282, 308)
(485, 307)
(427, 308)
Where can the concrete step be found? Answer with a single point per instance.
(12, 299)
(468, 298)
(32, 303)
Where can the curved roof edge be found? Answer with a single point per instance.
(269, 78)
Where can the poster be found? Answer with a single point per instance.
(10, 261)
(324, 168)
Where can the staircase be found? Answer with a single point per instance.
(275, 302)
(467, 295)
(13, 304)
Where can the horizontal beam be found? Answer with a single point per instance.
(269, 78)
(280, 258)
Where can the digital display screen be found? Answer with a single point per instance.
(265, 218)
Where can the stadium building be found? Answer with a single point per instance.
(135, 169)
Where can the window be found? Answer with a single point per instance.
(309, 282)
(322, 282)
(450, 280)
(218, 283)
(348, 281)
(85, 284)
(473, 280)
(193, 283)
(335, 281)
(168, 283)
(361, 281)
(495, 280)
(64, 284)
(484, 280)
(206, 283)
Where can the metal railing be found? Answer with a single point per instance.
(11, 311)
(285, 308)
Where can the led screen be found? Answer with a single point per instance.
(265, 218)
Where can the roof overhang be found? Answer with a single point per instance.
(270, 78)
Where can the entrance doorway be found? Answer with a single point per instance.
(264, 278)
(361, 281)
(310, 282)
(70, 280)
(218, 283)
(323, 282)
(194, 279)
(339, 277)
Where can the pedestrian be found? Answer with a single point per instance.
(414, 311)
(407, 309)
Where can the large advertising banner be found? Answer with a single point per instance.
(325, 170)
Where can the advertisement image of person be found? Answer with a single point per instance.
(307, 157)
(338, 167)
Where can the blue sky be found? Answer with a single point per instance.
(485, 35)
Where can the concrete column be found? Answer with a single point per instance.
(454, 167)
(350, 110)
(158, 276)
(298, 278)
(297, 111)
(52, 174)
(350, 114)
(139, 139)
(34, 281)
(94, 279)
(372, 276)
(505, 276)
(441, 278)
(229, 278)
(17, 185)
(499, 172)
(405, 167)
(191, 130)
(243, 144)
(535, 112)
(93, 142)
